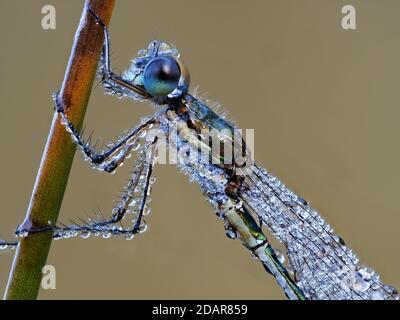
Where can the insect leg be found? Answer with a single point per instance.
(107, 73)
(146, 189)
(136, 192)
(108, 227)
(94, 226)
(7, 244)
(115, 155)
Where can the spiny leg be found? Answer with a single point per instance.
(143, 168)
(94, 226)
(7, 244)
(146, 190)
(127, 198)
(143, 171)
(140, 181)
(100, 160)
(108, 160)
(107, 73)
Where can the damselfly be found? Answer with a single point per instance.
(245, 196)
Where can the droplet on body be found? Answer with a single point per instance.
(280, 256)
(230, 233)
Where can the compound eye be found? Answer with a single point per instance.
(161, 76)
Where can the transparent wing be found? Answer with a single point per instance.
(324, 267)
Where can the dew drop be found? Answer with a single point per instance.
(375, 286)
(22, 234)
(254, 256)
(142, 134)
(74, 233)
(339, 240)
(391, 289)
(239, 205)
(143, 227)
(132, 203)
(280, 256)
(302, 201)
(260, 239)
(129, 236)
(304, 214)
(377, 295)
(106, 235)
(359, 283)
(146, 211)
(366, 273)
(85, 234)
(230, 233)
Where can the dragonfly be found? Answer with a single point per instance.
(246, 197)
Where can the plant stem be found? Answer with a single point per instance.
(51, 181)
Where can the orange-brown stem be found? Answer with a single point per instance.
(51, 181)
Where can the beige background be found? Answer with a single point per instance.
(324, 103)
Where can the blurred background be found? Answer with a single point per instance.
(324, 103)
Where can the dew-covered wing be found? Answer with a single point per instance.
(324, 267)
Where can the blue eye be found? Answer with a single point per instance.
(161, 76)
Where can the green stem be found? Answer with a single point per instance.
(51, 181)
